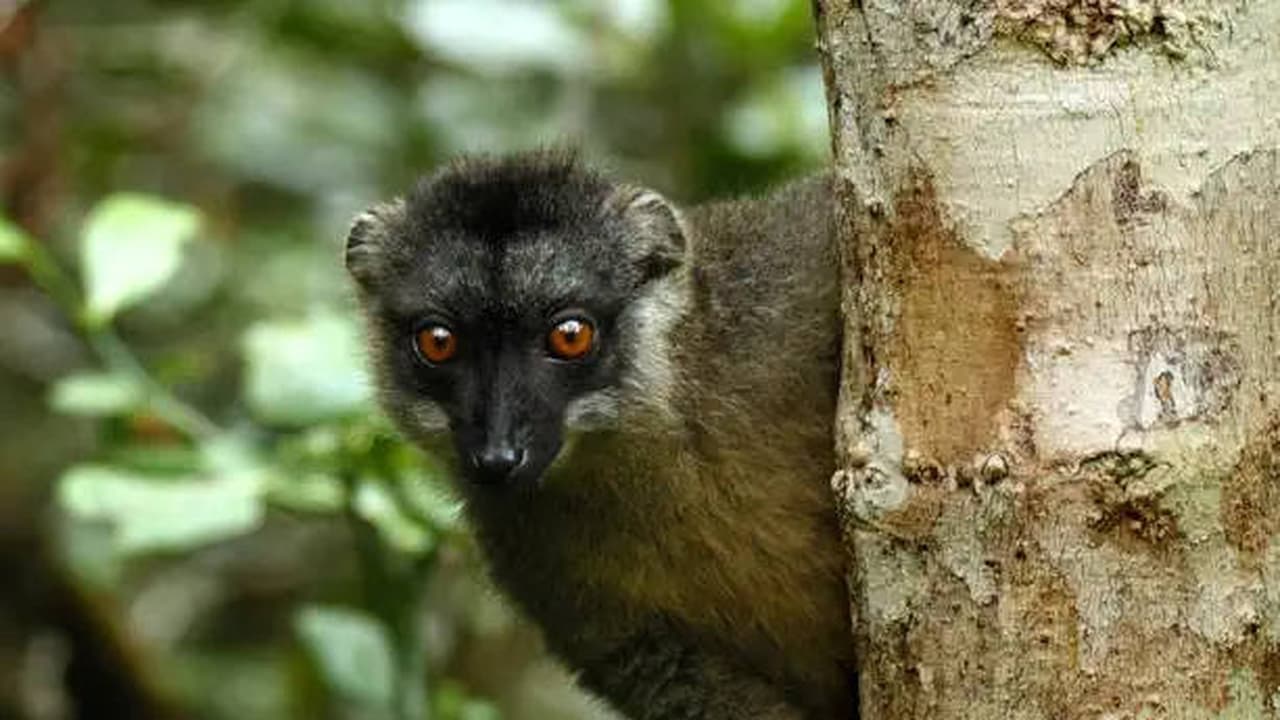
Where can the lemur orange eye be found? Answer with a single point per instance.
(571, 339)
(436, 344)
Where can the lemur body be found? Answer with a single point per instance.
(659, 506)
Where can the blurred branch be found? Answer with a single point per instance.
(112, 351)
(181, 415)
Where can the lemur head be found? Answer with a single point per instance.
(511, 299)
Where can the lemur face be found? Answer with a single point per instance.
(506, 303)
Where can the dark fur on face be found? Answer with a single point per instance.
(499, 251)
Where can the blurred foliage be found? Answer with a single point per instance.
(214, 484)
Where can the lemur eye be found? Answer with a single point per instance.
(571, 339)
(436, 344)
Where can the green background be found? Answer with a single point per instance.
(201, 515)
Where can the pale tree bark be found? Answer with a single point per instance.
(1060, 420)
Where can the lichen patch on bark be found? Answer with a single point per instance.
(1075, 32)
(1251, 498)
(1129, 518)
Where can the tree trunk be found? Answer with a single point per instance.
(1060, 419)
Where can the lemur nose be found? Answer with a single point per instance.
(497, 464)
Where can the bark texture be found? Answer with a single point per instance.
(1060, 421)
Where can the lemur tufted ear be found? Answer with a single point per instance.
(368, 239)
(657, 242)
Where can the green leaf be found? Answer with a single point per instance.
(351, 652)
(307, 371)
(451, 702)
(231, 452)
(151, 514)
(132, 245)
(374, 503)
(283, 484)
(155, 460)
(428, 498)
(15, 244)
(478, 710)
(307, 493)
(96, 395)
(467, 32)
(423, 484)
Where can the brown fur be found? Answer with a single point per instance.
(713, 518)
(682, 554)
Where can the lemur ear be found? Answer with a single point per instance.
(366, 250)
(657, 242)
